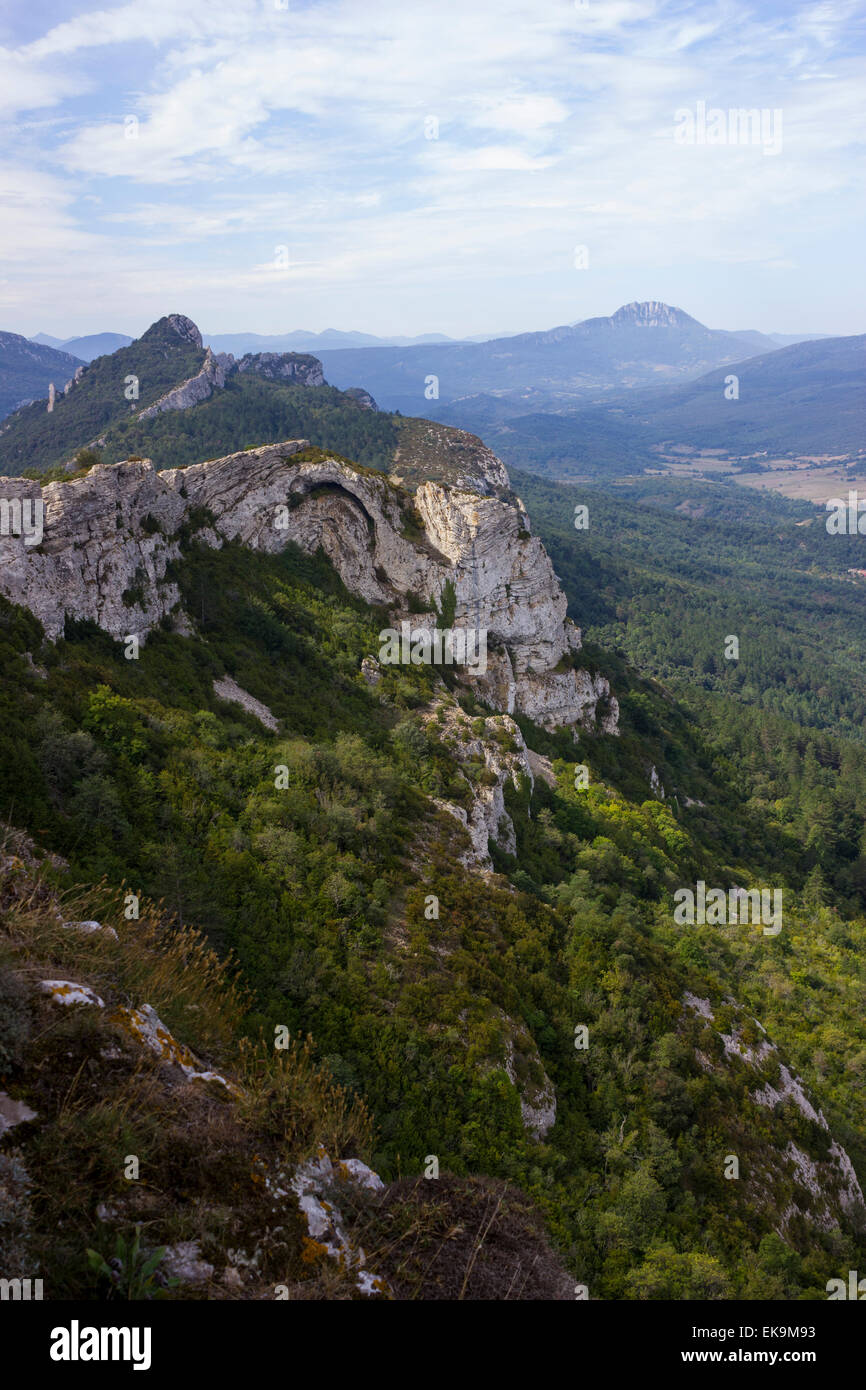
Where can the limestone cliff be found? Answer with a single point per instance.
(109, 537)
(298, 367)
(211, 378)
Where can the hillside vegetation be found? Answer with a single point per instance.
(138, 774)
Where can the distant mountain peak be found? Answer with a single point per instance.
(651, 313)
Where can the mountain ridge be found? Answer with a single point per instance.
(637, 345)
(110, 538)
(27, 370)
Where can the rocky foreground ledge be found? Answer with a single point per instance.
(108, 538)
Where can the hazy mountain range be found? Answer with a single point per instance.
(86, 348)
(642, 344)
(27, 369)
(598, 397)
(297, 340)
(800, 400)
(332, 339)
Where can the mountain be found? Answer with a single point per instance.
(126, 395)
(809, 398)
(28, 369)
(96, 345)
(45, 340)
(191, 405)
(788, 339)
(638, 345)
(103, 392)
(254, 822)
(303, 341)
(805, 399)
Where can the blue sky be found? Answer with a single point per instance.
(172, 155)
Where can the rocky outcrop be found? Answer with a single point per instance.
(298, 367)
(73, 380)
(210, 378)
(427, 450)
(109, 537)
(826, 1179)
(534, 1087)
(68, 992)
(316, 1184)
(360, 397)
(146, 1027)
(181, 327)
(104, 551)
(493, 755)
(228, 689)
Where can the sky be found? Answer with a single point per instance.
(405, 166)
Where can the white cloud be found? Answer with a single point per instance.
(308, 125)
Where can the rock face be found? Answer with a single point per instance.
(184, 329)
(298, 367)
(537, 1095)
(95, 549)
(500, 748)
(197, 388)
(824, 1184)
(360, 397)
(109, 536)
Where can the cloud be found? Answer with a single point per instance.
(254, 126)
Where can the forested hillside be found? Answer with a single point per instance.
(667, 569)
(137, 771)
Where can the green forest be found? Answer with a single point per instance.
(138, 774)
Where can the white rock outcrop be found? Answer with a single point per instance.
(147, 1028)
(537, 1098)
(315, 1184)
(831, 1181)
(98, 545)
(297, 367)
(228, 689)
(211, 377)
(110, 535)
(67, 992)
(503, 755)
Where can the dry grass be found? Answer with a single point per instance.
(294, 1098)
(459, 1239)
(101, 1098)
